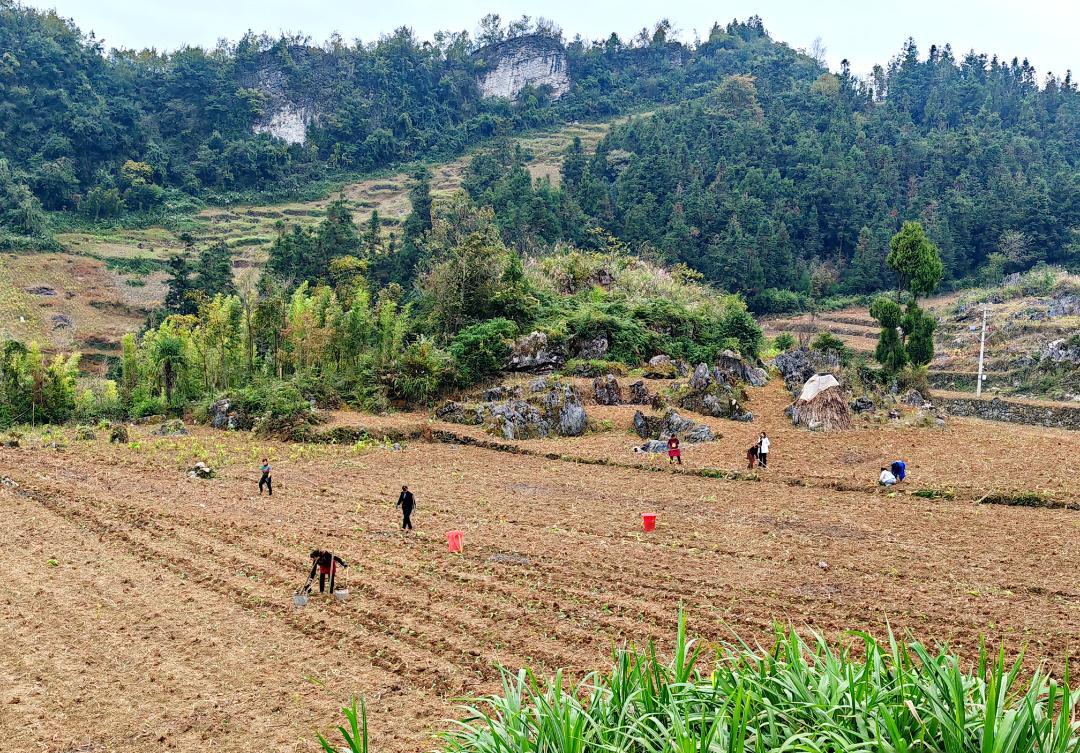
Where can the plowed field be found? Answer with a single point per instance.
(144, 610)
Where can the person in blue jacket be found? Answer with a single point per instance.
(899, 469)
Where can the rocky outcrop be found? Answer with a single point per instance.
(797, 366)
(284, 113)
(1061, 417)
(1062, 350)
(469, 414)
(713, 392)
(174, 427)
(734, 368)
(533, 353)
(553, 409)
(591, 350)
(639, 393)
(119, 434)
(662, 427)
(661, 367)
(223, 414)
(606, 390)
(533, 60)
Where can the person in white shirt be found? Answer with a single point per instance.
(763, 450)
(886, 478)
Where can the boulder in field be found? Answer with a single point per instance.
(733, 367)
(639, 393)
(661, 367)
(119, 434)
(174, 427)
(606, 390)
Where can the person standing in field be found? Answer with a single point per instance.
(266, 479)
(406, 501)
(674, 454)
(763, 450)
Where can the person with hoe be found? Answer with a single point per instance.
(763, 450)
(406, 501)
(266, 479)
(674, 454)
(326, 563)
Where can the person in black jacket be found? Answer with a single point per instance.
(326, 563)
(406, 501)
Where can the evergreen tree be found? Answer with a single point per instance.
(178, 297)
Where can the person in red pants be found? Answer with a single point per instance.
(674, 454)
(326, 563)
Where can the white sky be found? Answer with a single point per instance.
(864, 31)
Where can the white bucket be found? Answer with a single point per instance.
(299, 600)
(341, 594)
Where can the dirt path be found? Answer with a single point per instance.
(166, 621)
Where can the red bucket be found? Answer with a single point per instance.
(648, 521)
(455, 540)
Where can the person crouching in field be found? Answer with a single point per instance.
(326, 564)
(898, 469)
(751, 457)
(886, 478)
(674, 454)
(266, 479)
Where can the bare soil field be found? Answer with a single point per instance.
(145, 610)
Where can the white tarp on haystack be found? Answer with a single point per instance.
(816, 385)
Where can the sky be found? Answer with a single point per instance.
(863, 31)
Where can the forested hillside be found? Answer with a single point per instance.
(781, 192)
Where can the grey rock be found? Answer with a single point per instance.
(201, 470)
(539, 384)
(701, 378)
(861, 404)
(913, 398)
(174, 427)
(798, 365)
(639, 394)
(662, 427)
(594, 349)
(501, 392)
(1061, 351)
(606, 390)
(1066, 304)
(532, 353)
(733, 368)
(661, 367)
(652, 445)
(461, 413)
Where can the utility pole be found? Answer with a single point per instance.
(982, 354)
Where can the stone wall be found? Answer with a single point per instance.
(1063, 417)
(524, 61)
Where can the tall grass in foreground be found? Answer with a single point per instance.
(803, 696)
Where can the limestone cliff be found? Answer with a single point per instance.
(533, 60)
(287, 109)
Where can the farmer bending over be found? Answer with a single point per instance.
(673, 452)
(406, 501)
(886, 478)
(751, 457)
(265, 479)
(326, 563)
(899, 470)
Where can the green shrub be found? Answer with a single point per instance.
(422, 372)
(784, 341)
(481, 349)
(595, 367)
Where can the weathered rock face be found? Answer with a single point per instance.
(563, 408)
(174, 427)
(551, 409)
(517, 419)
(532, 60)
(589, 350)
(734, 368)
(1063, 417)
(662, 427)
(286, 114)
(461, 413)
(661, 367)
(606, 390)
(913, 398)
(639, 393)
(1061, 351)
(797, 366)
(714, 393)
(224, 415)
(533, 353)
